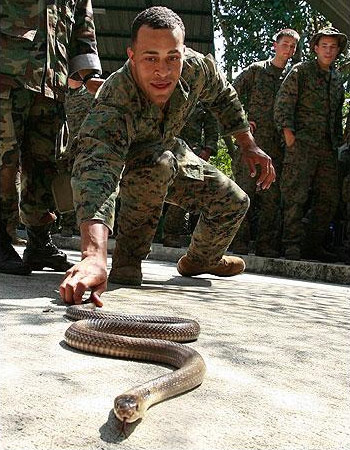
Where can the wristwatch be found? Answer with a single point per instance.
(89, 76)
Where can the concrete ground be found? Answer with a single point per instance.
(277, 355)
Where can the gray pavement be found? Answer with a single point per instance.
(276, 350)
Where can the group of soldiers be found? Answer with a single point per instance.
(296, 117)
(139, 141)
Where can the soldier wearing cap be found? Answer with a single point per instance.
(257, 86)
(308, 110)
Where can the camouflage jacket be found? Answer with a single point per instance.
(77, 104)
(124, 125)
(44, 42)
(310, 102)
(201, 130)
(257, 87)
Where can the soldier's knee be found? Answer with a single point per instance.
(240, 199)
(166, 165)
(245, 202)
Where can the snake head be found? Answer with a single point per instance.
(127, 408)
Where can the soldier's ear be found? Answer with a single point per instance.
(130, 54)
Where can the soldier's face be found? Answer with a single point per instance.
(156, 62)
(327, 50)
(285, 47)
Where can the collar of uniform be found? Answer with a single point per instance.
(321, 72)
(270, 67)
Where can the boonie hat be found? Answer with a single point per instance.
(330, 31)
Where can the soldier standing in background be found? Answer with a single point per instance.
(77, 104)
(129, 139)
(201, 134)
(257, 86)
(41, 44)
(309, 112)
(344, 161)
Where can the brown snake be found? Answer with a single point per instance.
(110, 334)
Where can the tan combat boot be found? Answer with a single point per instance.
(125, 270)
(226, 267)
(126, 275)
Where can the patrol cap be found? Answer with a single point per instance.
(330, 31)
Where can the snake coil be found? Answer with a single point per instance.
(147, 338)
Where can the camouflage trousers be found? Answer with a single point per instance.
(263, 220)
(309, 177)
(176, 221)
(220, 202)
(30, 126)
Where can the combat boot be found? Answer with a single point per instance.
(10, 261)
(267, 252)
(320, 254)
(42, 252)
(126, 269)
(239, 248)
(128, 275)
(176, 240)
(314, 249)
(226, 267)
(292, 252)
(11, 229)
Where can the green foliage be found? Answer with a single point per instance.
(222, 160)
(248, 27)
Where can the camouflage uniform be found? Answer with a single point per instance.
(36, 39)
(257, 87)
(126, 137)
(310, 104)
(200, 131)
(77, 104)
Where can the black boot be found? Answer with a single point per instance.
(314, 249)
(10, 261)
(320, 254)
(42, 252)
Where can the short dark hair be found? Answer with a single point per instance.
(158, 18)
(286, 32)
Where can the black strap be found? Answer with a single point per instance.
(89, 76)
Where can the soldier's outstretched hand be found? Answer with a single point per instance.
(88, 274)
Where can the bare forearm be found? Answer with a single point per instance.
(94, 238)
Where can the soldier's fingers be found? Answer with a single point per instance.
(66, 292)
(85, 283)
(271, 177)
(95, 296)
(251, 167)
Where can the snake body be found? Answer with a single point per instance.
(140, 337)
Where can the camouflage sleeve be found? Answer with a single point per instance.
(286, 100)
(83, 47)
(102, 144)
(338, 123)
(243, 84)
(221, 98)
(211, 133)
